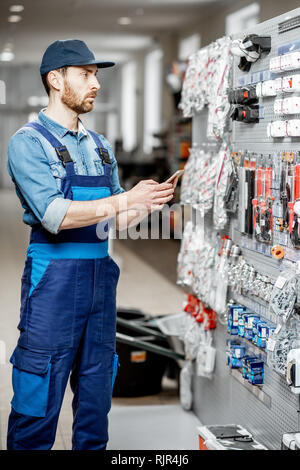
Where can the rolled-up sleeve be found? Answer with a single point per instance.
(55, 214)
(30, 171)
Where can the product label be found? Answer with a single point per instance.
(235, 318)
(280, 282)
(271, 344)
(138, 356)
(278, 328)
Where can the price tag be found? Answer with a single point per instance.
(278, 328)
(280, 282)
(271, 344)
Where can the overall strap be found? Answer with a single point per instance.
(102, 152)
(61, 150)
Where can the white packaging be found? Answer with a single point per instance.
(291, 105)
(278, 107)
(275, 64)
(285, 62)
(277, 129)
(185, 386)
(293, 128)
(291, 83)
(278, 84)
(258, 89)
(290, 61)
(268, 88)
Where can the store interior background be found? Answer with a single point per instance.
(150, 41)
(136, 108)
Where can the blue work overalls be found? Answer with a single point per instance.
(67, 323)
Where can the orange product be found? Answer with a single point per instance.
(278, 252)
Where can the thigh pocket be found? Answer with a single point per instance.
(112, 273)
(51, 307)
(30, 378)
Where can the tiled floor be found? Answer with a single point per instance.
(140, 287)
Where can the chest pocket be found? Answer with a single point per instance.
(99, 167)
(58, 170)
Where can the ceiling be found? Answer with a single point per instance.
(96, 22)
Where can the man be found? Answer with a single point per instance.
(67, 180)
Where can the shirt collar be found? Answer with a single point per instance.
(57, 128)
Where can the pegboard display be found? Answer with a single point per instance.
(255, 249)
(223, 400)
(259, 72)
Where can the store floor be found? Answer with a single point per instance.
(151, 422)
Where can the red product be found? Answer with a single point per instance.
(254, 205)
(297, 182)
(259, 181)
(291, 216)
(211, 319)
(268, 182)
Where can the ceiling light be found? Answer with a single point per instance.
(16, 8)
(124, 20)
(7, 56)
(14, 18)
(8, 47)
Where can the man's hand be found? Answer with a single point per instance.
(151, 194)
(147, 196)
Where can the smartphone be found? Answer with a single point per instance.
(177, 174)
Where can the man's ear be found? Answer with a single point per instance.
(55, 80)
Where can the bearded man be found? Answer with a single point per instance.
(67, 180)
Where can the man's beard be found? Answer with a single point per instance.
(71, 99)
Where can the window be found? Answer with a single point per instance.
(2, 92)
(152, 98)
(188, 46)
(243, 19)
(128, 106)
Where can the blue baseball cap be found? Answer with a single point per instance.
(69, 52)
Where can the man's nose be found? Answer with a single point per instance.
(95, 84)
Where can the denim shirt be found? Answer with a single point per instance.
(37, 171)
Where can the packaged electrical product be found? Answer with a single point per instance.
(294, 207)
(207, 180)
(290, 441)
(246, 360)
(192, 340)
(256, 372)
(205, 360)
(204, 272)
(186, 188)
(185, 385)
(284, 294)
(221, 276)
(237, 353)
(262, 332)
(233, 317)
(224, 170)
(194, 89)
(185, 259)
(255, 329)
(219, 106)
(241, 324)
(280, 344)
(249, 319)
(229, 344)
(227, 437)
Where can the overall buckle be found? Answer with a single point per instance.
(63, 155)
(104, 155)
